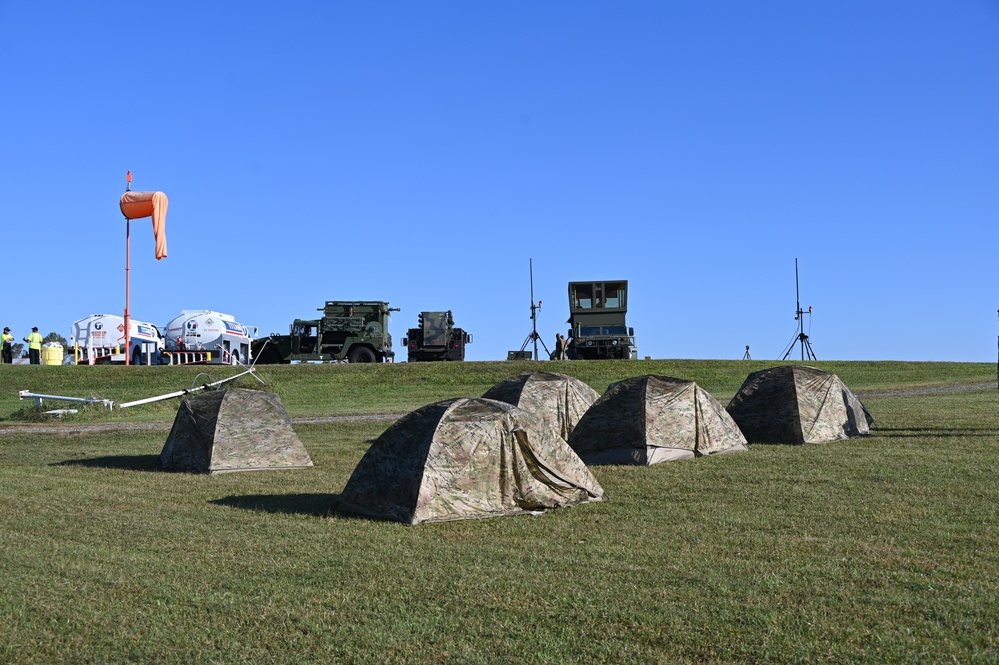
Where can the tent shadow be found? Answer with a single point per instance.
(315, 505)
(127, 462)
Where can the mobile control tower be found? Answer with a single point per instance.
(598, 329)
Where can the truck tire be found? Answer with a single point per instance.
(137, 356)
(361, 354)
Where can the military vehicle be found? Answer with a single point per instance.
(597, 315)
(352, 331)
(436, 338)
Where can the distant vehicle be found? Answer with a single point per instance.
(352, 331)
(597, 318)
(436, 338)
(207, 336)
(99, 339)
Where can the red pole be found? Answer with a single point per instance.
(128, 262)
(128, 265)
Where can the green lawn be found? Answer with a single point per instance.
(881, 549)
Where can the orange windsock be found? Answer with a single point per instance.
(135, 205)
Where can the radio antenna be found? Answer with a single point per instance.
(799, 316)
(535, 309)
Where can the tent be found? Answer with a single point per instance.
(559, 401)
(651, 419)
(797, 404)
(233, 430)
(463, 459)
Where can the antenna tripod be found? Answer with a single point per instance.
(801, 337)
(535, 308)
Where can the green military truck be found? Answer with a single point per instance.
(436, 338)
(351, 331)
(597, 318)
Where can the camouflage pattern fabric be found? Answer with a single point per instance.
(796, 404)
(557, 400)
(233, 430)
(652, 419)
(464, 459)
(435, 327)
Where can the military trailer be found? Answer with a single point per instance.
(597, 318)
(436, 338)
(351, 331)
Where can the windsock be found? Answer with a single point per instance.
(135, 205)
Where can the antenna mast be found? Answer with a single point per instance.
(801, 337)
(535, 308)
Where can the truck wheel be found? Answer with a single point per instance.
(136, 356)
(361, 354)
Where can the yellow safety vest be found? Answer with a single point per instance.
(34, 341)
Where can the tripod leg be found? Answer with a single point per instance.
(790, 347)
(808, 348)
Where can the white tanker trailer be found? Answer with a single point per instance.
(206, 336)
(99, 339)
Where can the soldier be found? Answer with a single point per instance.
(561, 346)
(7, 353)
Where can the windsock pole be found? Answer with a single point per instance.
(128, 267)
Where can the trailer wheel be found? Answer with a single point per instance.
(361, 354)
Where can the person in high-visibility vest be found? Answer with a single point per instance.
(34, 341)
(7, 351)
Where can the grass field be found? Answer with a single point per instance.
(883, 549)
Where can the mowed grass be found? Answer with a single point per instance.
(881, 549)
(342, 389)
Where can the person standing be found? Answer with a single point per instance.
(561, 347)
(7, 352)
(34, 341)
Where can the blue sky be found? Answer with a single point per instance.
(426, 153)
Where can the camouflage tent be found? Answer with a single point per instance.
(796, 404)
(651, 419)
(463, 459)
(233, 430)
(559, 401)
